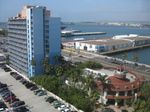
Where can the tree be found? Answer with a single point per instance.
(142, 104)
(145, 91)
(103, 80)
(4, 32)
(90, 84)
(90, 64)
(59, 70)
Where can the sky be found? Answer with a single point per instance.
(84, 10)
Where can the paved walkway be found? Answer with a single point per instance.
(35, 103)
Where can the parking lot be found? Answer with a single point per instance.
(35, 103)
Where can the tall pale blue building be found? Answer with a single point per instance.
(33, 36)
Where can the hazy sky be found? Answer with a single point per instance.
(84, 10)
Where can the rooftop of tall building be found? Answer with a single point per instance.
(23, 13)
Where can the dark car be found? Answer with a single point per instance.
(7, 69)
(50, 99)
(21, 109)
(14, 100)
(18, 103)
(18, 77)
(4, 92)
(13, 73)
(2, 105)
(3, 89)
(5, 96)
(24, 82)
(34, 88)
(10, 98)
(3, 85)
(29, 85)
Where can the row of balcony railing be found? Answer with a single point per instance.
(18, 41)
(14, 53)
(19, 50)
(17, 66)
(16, 27)
(17, 36)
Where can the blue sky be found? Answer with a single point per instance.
(84, 10)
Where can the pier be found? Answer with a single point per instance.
(69, 33)
(124, 50)
(88, 33)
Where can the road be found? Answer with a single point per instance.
(35, 103)
(109, 61)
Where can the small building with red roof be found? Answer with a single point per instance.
(119, 86)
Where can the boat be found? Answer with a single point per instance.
(78, 39)
(68, 33)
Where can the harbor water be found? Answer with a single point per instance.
(143, 54)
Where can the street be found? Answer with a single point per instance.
(106, 61)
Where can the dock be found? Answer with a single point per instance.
(78, 33)
(88, 33)
(124, 50)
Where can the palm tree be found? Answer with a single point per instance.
(90, 84)
(103, 80)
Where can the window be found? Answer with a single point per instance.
(31, 11)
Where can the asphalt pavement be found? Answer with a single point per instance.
(34, 103)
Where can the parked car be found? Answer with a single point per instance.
(3, 85)
(2, 106)
(56, 104)
(41, 93)
(7, 69)
(14, 100)
(21, 109)
(37, 91)
(34, 88)
(50, 99)
(13, 73)
(18, 103)
(9, 99)
(18, 77)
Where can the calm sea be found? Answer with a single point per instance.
(143, 54)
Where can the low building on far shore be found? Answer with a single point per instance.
(112, 44)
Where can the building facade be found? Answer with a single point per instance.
(33, 36)
(112, 44)
(120, 88)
